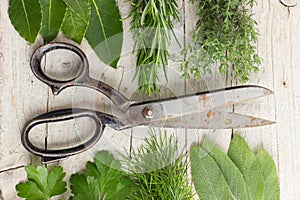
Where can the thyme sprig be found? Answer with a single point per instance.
(225, 34)
(152, 27)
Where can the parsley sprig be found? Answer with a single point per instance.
(42, 184)
(225, 34)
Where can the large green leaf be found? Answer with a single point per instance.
(231, 173)
(82, 8)
(269, 172)
(207, 177)
(76, 19)
(245, 160)
(53, 12)
(25, 15)
(104, 32)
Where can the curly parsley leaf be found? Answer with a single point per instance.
(103, 179)
(42, 184)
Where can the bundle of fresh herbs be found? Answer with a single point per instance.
(157, 170)
(151, 25)
(225, 34)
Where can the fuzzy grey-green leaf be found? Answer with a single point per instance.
(105, 31)
(269, 172)
(25, 16)
(207, 177)
(232, 175)
(245, 160)
(53, 12)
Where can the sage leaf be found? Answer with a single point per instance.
(269, 172)
(25, 16)
(207, 177)
(245, 160)
(76, 19)
(232, 175)
(53, 12)
(104, 32)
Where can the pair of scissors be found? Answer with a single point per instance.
(195, 111)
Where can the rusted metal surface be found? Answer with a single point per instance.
(167, 109)
(212, 120)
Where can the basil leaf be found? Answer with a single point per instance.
(207, 177)
(232, 175)
(245, 160)
(25, 16)
(53, 12)
(76, 19)
(269, 172)
(104, 32)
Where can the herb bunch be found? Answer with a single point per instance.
(151, 26)
(157, 170)
(225, 34)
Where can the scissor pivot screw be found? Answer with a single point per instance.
(148, 113)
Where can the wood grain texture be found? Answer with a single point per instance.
(22, 97)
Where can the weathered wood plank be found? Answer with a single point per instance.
(8, 181)
(18, 85)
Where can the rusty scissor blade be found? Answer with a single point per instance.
(214, 119)
(165, 109)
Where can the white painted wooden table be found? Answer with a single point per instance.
(23, 97)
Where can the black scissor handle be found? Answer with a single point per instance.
(81, 79)
(62, 115)
(55, 84)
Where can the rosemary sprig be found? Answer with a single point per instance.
(158, 171)
(225, 34)
(151, 26)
